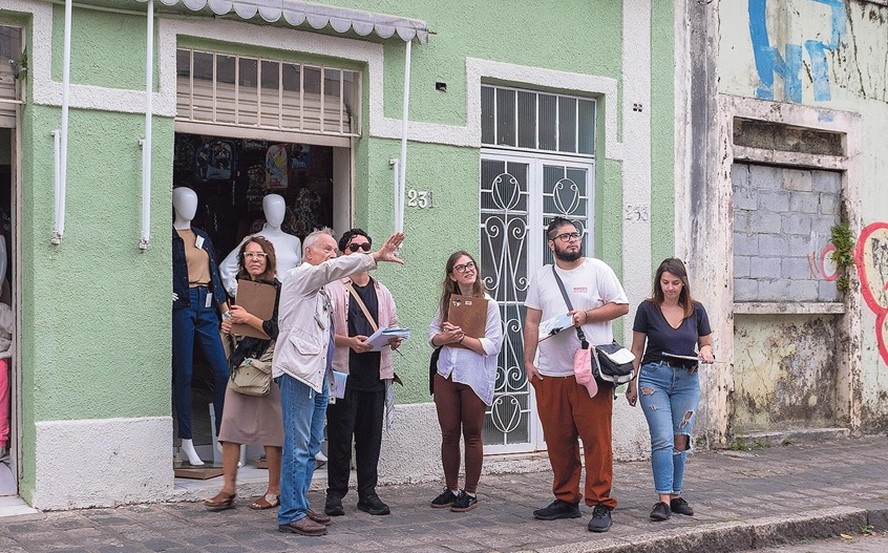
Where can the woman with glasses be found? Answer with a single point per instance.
(252, 419)
(464, 381)
(676, 330)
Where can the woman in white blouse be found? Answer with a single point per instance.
(464, 382)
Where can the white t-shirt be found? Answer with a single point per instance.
(592, 284)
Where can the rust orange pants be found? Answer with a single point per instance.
(569, 414)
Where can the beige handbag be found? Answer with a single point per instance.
(253, 376)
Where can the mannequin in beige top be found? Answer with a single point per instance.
(197, 292)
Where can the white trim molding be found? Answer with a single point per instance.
(169, 30)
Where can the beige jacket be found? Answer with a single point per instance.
(305, 315)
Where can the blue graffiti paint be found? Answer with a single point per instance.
(788, 66)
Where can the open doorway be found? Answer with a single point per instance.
(231, 176)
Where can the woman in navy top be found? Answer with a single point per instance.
(677, 333)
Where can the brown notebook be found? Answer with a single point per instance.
(468, 313)
(258, 299)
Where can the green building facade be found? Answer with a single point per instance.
(517, 112)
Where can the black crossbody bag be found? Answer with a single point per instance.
(612, 363)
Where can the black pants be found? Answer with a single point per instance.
(359, 415)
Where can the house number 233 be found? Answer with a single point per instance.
(419, 198)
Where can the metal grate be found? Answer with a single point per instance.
(244, 91)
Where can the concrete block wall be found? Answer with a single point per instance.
(782, 220)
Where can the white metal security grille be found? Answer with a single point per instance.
(242, 91)
(537, 121)
(520, 194)
(10, 62)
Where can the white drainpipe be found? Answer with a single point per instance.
(145, 239)
(401, 167)
(62, 153)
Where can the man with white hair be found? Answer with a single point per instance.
(302, 360)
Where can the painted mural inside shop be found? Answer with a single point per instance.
(231, 176)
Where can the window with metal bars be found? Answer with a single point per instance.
(229, 89)
(528, 120)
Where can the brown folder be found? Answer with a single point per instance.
(258, 299)
(468, 313)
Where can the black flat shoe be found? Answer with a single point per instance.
(221, 502)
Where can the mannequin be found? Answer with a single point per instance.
(287, 248)
(197, 290)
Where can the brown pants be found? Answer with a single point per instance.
(567, 413)
(459, 406)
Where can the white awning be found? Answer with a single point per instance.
(295, 13)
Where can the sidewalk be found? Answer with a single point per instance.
(743, 499)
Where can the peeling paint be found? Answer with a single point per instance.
(785, 372)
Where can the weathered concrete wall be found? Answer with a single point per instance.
(784, 372)
(827, 59)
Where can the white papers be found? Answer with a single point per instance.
(339, 381)
(551, 327)
(381, 337)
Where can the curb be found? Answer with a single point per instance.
(727, 537)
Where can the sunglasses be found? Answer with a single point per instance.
(355, 247)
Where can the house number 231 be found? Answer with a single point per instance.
(419, 198)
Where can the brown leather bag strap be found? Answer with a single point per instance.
(351, 290)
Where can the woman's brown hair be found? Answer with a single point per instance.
(675, 267)
(451, 287)
(270, 259)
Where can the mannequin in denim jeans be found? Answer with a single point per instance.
(194, 316)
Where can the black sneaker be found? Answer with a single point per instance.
(680, 506)
(373, 505)
(445, 500)
(333, 506)
(558, 509)
(601, 519)
(464, 502)
(661, 511)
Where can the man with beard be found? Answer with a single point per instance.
(566, 410)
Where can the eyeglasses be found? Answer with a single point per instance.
(355, 247)
(470, 266)
(255, 255)
(567, 236)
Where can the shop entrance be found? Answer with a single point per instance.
(231, 176)
(10, 102)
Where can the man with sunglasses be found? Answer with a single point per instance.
(566, 410)
(361, 304)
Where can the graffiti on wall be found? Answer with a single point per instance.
(871, 257)
(770, 61)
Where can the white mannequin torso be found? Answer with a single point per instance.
(287, 247)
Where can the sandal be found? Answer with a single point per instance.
(221, 502)
(267, 501)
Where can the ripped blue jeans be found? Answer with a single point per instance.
(669, 395)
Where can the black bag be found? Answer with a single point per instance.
(433, 369)
(612, 363)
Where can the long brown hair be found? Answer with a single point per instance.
(270, 259)
(451, 287)
(675, 267)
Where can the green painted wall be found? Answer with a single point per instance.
(107, 49)
(662, 134)
(97, 311)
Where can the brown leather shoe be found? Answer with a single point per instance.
(304, 526)
(320, 518)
